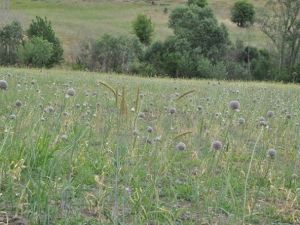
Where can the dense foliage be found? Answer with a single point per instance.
(243, 13)
(143, 29)
(42, 28)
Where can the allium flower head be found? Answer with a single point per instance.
(172, 110)
(3, 85)
(149, 129)
(71, 92)
(234, 105)
(216, 145)
(18, 103)
(270, 114)
(181, 146)
(271, 153)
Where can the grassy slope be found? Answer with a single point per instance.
(103, 174)
(77, 20)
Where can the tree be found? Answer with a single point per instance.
(42, 28)
(199, 27)
(36, 52)
(281, 23)
(242, 13)
(11, 37)
(143, 29)
(200, 3)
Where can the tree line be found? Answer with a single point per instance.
(199, 47)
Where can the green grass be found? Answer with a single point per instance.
(75, 21)
(103, 173)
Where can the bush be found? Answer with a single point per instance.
(243, 13)
(11, 37)
(36, 52)
(200, 3)
(42, 28)
(143, 29)
(199, 27)
(110, 54)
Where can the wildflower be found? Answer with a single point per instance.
(149, 129)
(172, 110)
(270, 114)
(3, 85)
(271, 153)
(181, 146)
(242, 121)
(70, 92)
(234, 105)
(18, 103)
(217, 145)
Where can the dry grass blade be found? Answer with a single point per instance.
(185, 94)
(183, 134)
(109, 87)
(123, 105)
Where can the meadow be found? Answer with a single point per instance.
(76, 20)
(88, 148)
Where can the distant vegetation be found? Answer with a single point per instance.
(199, 47)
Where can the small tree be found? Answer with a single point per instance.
(11, 37)
(242, 13)
(36, 52)
(143, 29)
(200, 3)
(42, 28)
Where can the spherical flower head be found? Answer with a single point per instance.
(64, 137)
(242, 121)
(181, 146)
(3, 85)
(270, 114)
(271, 153)
(18, 103)
(216, 145)
(141, 115)
(71, 92)
(234, 105)
(12, 117)
(172, 110)
(149, 129)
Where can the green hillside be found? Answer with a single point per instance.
(76, 20)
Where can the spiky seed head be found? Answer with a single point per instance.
(3, 85)
(149, 129)
(271, 153)
(172, 110)
(12, 117)
(242, 121)
(71, 92)
(141, 115)
(181, 146)
(270, 114)
(234, 105)
(216, 145)
(64, 137)
(18, 103)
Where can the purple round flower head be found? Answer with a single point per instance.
(149, 129)
(172, 110)
(18, 103)
(234, 105)
(242, 121)
(3, 85)
(270, 114)
(181, 146)
(271, 153)
(71, 92)
(12, 117)
(217, 145)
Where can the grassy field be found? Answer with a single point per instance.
(76, 20)
(112, 153)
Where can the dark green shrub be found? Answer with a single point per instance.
(42, 28)
(199, 27)
(242, 13)
(110, 54)
(11, 37)
(36, 52)
(143, 29)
